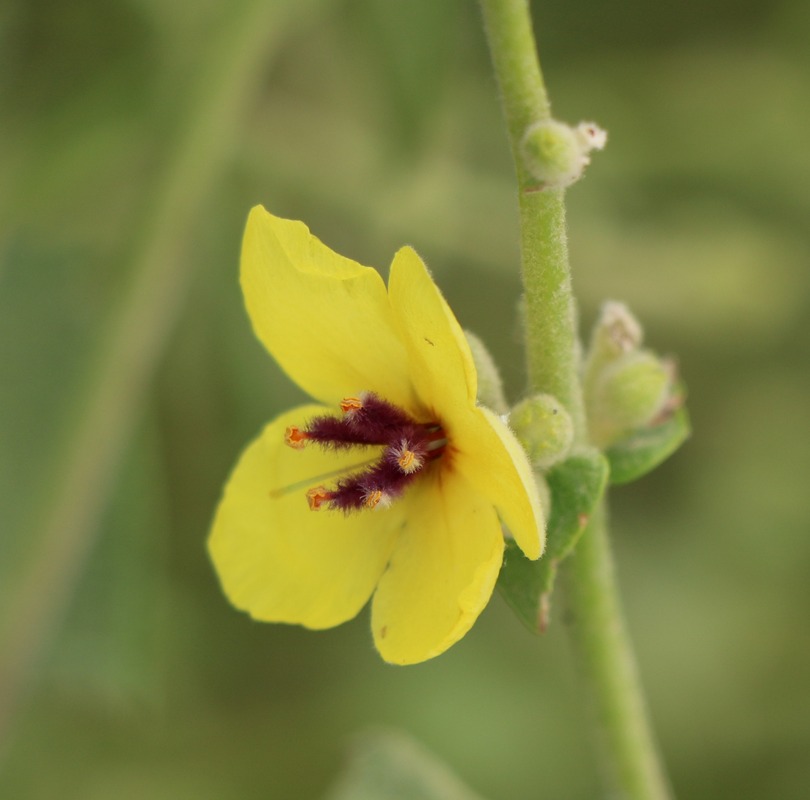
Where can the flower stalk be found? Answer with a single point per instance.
(551, 342)
(601, 645)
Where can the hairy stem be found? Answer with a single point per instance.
(552, 347)
(604, 652)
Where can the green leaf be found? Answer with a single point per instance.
(576, 487)
(113, 645)
(645, 449)
(386, 765)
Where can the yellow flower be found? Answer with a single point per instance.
(397, 385)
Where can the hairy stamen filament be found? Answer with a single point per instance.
(368, 420)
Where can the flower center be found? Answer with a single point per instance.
(369, 420)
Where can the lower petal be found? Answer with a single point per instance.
(282, 562)
(442, 571)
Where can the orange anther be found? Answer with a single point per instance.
(349, 404)
(295, 437)
(408, 462)
(373, 499)
(317, 497)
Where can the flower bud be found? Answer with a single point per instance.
(627, 394)
(544, 428)
(617, 331)
(556, 154)
(490, 386)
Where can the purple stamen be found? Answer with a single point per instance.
(380, 484)
(370, 420)
(367, 421)
(372, 412)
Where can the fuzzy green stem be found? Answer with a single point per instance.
(552, 348)
(606, 658)
(605, 655)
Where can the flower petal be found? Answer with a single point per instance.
(282, 562)
(324, 318)
(441, 364)
(489, 456)
(442, 572)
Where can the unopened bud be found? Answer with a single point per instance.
(627, 394)
(617, 331)
(544, 428)
(556, 154)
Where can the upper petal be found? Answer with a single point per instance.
(441, 365)
(324, 318)
(441, 573)
(282, 562)
(487, 453)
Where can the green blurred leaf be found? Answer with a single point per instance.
(113, 645)
(386, 765)
(576, 486)
(409, 57)
(644, 450)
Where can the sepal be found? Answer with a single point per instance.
(490, 385)
(643, 450)
(576, 485)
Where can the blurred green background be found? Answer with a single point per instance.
(135, 136)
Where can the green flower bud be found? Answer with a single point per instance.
(544, 428)
(627, 394)
(490, 386)
(556, 154)
(616, 332)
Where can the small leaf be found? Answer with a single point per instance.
(523, 583)
(645, 449)
(386, 765)
(576, 487)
